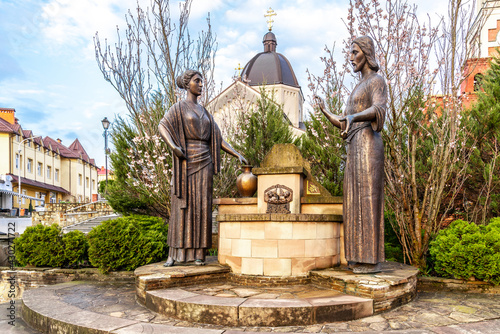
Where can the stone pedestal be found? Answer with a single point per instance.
(279, 244)
(292, 227)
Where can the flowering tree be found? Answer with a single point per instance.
(153, 53)
(321, 145)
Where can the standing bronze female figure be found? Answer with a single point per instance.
(195, 139)
(361, 124)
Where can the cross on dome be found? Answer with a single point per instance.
(269, 15)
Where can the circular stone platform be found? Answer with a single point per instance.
(212, 294)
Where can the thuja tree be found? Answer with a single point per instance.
(423, 141)
(483, 121)
(152, 52)
(259, 128)
(322, 145)
(252, 127)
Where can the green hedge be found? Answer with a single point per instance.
(465, 250)
(127, 243)
(40, 246)
(76, 247)
(46, 246)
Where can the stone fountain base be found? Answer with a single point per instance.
(212, 294)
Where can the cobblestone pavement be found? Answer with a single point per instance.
(438, 312)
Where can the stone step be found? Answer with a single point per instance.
(45, 311)
(87, 225)
(321, 307)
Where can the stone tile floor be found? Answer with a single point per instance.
(429, 310)
(288, 292)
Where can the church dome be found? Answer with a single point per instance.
(269, 67)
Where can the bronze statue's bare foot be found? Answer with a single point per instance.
(170, 262)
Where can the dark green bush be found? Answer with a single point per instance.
(465, 250)
(127, 243)
(40, 246)
(75, 248)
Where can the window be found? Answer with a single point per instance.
(86, 182)
(93, 184)
(40, 168)
(80, 181)
(37, 195)
(56, 175)
(49, 172)
(18, 138)
(29, 143)
(39, 148)
(30, 165)
(17, 160)
(24, 198)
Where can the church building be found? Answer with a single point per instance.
(268, 70)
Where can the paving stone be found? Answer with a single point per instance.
(413, 318)
(266, 296)
(160, 329)
(374, 319)
(396, 325)
(465, 317)
(379, 326)
(226, 295)
(433, 319)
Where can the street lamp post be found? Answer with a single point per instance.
(19, 174)
(105, 125)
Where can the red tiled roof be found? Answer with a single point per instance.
(77, 147)
(39, 184)
(6, 126)
(27, 133)
(63, 150)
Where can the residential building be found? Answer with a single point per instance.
(483, 42)
(48, 170)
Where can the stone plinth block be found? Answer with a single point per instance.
(279, 244)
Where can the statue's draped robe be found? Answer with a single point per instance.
(190, 224)
(364, 175)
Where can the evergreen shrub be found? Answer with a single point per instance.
(465, 250)
(76, 248)
(128, 242)
(40, 246)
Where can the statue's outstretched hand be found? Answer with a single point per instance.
(242, 159)
(320, 103)
(348, 121)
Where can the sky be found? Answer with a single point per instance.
(49, 74)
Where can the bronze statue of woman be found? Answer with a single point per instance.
(195, 140)
(361, 123)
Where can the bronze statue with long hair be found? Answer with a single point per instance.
(361, 123)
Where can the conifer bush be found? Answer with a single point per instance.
(128, 242)
(465, 250)
(76, 248)
(40, 246)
